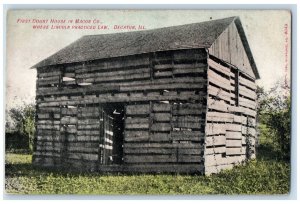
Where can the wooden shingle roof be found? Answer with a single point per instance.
(196, 35)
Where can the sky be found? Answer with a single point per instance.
(267, 31)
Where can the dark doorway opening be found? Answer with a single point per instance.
(113, 129)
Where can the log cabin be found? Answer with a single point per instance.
(178, 99)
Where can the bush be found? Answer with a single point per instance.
(274, 113)
(23, 124)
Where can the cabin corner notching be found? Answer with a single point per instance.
(172, 99)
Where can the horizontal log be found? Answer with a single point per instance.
(139, 125)
(198, 151)
(247, 83)
(162, 158)
(88, 126)
(87, 144)
(234, 109)
(184, 135)
(219, 67)
(233, 143)
(161, 107)
(87, 121)
(187, 119)
(136, 120)
(67, 120)
(218, 105)
(188, 109)
(48, 110)
(47, 132)
(82, 156)
(107, 65)
(68, 83)
(162, 145)
(167, 168)
(249, 112)
(215, 129)
(247, 101)
(162, 67)
(49, 73)
(43, 115)
(50, 149)
(139, 136)
(88, 132)
(219, 80)
(48, 138)
(163, 127)
(48, 127)
(215, 150)
(148, 151)
(215, 160)
(219, 93)
(186, 85)
(187, 125)
(233, 135)
(236, 151)
(163, 73)
(94, 114)
(113, 78)
(57, 144)
(47, 122)
(69, 111)
(49, 78)
(161, 117)
(119, 73)
(215, 140)
(247, 92)
(81, 90)
(149, 159)
(233, 127)
(237, 119)
(183, 69)
(137, 109)
(48, 82)
(85, 138)
(134, 97)
(219, 117)
(136, 133)
(72, 149)
(247, 105)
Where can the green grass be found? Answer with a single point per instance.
(262, 176)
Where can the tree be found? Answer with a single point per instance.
(23, 118)
(274, 111)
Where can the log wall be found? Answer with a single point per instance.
(231, 117)
(181, 112)
(164, 100)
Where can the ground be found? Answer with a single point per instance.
(265, 175)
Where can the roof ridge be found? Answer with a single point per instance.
(173, 26)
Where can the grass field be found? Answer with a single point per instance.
(262, 176)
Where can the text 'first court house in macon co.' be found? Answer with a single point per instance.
(177, 99)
